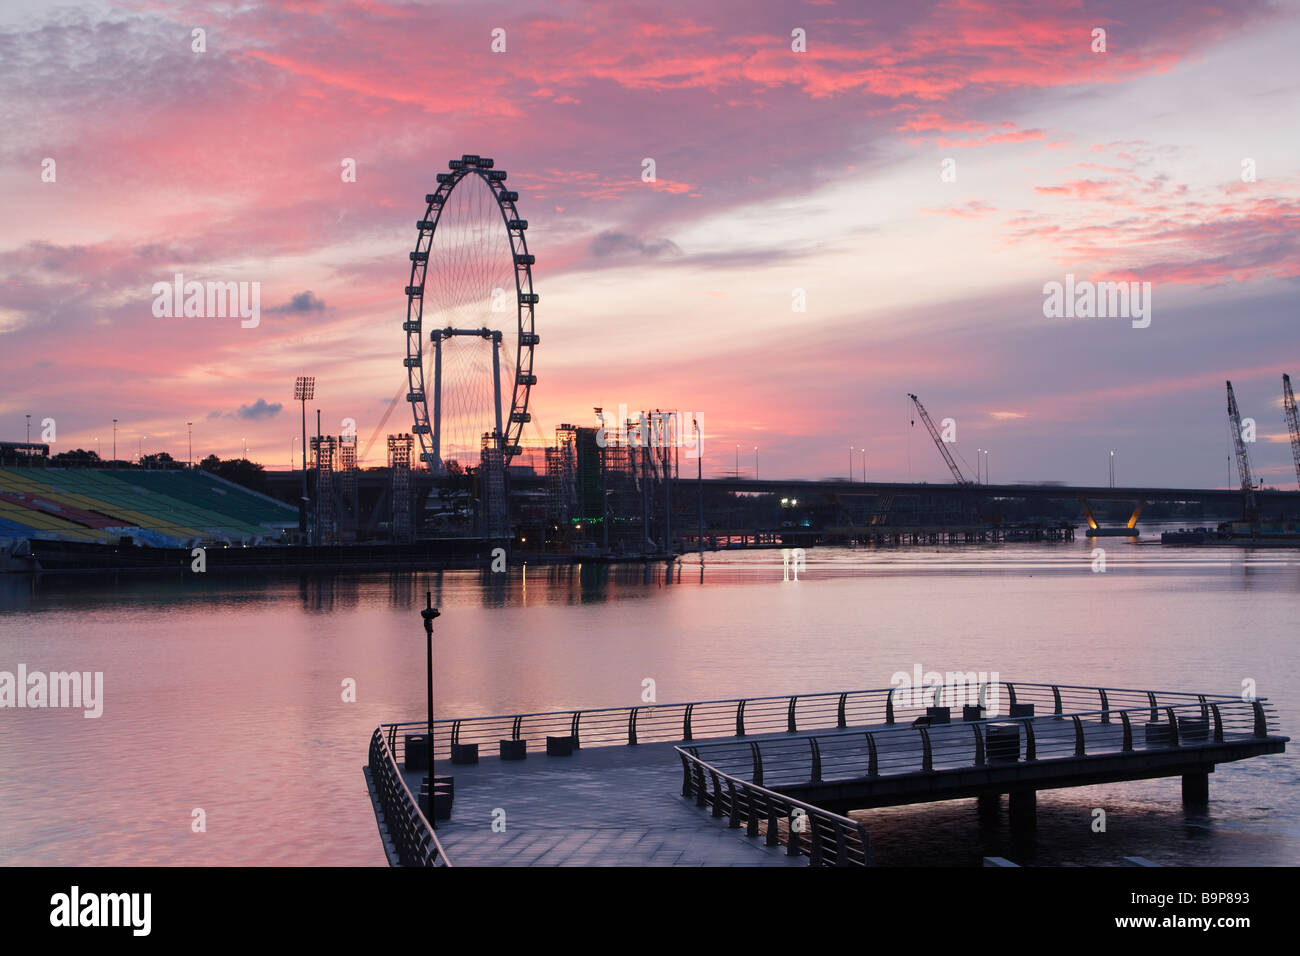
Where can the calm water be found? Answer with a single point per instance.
(226, 695)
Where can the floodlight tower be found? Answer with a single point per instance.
(304, 390)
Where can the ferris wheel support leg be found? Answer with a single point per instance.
(436, 464)
(496, 382)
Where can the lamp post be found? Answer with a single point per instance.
(115, 439)
(429, 613)
(756, 463)
(850, 464)
(189, 442)
(737, 459)
(699, 484)
(29, 429)
(1112, 468)
(864, 464)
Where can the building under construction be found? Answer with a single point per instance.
(608, 488)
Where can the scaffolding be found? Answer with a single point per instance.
(323, 450)
(348, 471)
(399, 467)
(492, 487)
(640, 457)
(561, 477)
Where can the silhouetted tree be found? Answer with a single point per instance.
(78, 458)
(239, 470)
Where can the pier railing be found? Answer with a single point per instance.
(412, 837)
(859, 755)
(826, 838)
(740, 717)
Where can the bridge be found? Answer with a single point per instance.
(375, 501)
(672, 784)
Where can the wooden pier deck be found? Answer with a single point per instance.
(686, 784)
(602, 806)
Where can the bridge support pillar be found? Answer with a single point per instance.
(1196, 789)
(987, 806)
(1023, 807)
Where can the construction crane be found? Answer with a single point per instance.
(939, 442)
(1249, 509)
(1292, 423)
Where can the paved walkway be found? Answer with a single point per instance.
(603, 806)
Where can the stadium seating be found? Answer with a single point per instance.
(174, 508)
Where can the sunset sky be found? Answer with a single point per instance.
(776, 170)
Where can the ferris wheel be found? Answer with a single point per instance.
(471, 299)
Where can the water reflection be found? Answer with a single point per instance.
(223, 691)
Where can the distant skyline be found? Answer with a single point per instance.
(919, 173)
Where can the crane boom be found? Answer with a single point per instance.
(1292, 423)
(938, 441)
(1243, 459)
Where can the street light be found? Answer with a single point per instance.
(699, 485)
(737, 459)
(189, 439)
(29, 429)
(429, 613)
(1112, 468)
(756, 463)
(115, 439)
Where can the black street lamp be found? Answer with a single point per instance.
(429, 613)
